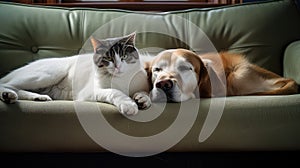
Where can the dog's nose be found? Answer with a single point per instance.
(165, 85)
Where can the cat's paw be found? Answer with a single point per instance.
(42, 98)
(142, 99)
(9, 97)
(128, 108)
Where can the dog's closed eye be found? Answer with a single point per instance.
(157, 69)
(185, 68)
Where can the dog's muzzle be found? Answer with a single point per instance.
(165, 85)
(165, 90)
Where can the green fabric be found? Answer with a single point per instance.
(292, 61)
(261, 31)
(247, 124)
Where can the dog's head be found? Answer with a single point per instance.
(177, 75)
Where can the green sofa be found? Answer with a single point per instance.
(266, 32)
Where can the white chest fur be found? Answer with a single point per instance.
(87, 79)
(129, 82)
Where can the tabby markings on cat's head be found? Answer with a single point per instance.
(114, 56)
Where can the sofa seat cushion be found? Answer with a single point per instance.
(253, 123)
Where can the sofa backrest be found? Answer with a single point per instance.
(262, 31)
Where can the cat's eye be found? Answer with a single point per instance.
(157, 69)
(124, 57)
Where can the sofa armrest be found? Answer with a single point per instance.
(291, 62)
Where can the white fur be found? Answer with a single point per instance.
(55, 78)
(189, 80)
(186, 80)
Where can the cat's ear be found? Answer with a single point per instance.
(95, 43)
(130, 39)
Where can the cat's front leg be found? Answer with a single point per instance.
(26, 95)
(113, 96)
(142, 99)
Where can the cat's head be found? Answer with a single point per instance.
(115, 55)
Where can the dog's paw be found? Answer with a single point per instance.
(9, 97)
(142, 100)
(42, 98)
(128, 108)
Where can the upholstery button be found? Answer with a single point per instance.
(34, 49)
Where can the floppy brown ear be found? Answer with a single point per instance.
(210, 84)
(148, 69)
(204, 82)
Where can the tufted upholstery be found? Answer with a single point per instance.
(29, 32)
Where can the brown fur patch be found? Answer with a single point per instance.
(241, 77)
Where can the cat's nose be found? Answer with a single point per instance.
(118, 69)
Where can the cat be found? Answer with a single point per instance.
(112, 73)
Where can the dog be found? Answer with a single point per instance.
(176, 75)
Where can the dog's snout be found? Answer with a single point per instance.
(165, 85)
